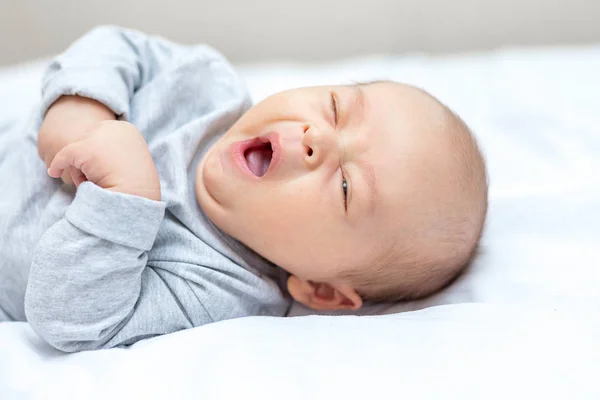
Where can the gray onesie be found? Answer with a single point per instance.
(94, 268)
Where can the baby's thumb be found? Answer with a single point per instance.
(72, 155)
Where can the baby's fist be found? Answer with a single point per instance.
(115, 157)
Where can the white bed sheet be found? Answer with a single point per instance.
(523, 320)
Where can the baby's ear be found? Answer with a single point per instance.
(324, 296)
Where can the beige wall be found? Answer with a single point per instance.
(249, 30)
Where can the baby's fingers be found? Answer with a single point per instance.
(77, 176)
(66, 177)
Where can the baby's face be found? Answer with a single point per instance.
(320, 180)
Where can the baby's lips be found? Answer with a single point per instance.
(240, 156)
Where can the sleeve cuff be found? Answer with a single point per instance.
(125, 219)
(96, 84)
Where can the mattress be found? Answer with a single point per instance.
(523, 321)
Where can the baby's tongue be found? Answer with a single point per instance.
(258, 160)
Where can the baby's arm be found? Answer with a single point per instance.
(89, 285)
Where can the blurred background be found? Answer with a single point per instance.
(248, 31)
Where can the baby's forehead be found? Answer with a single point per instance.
(397, 101)
(411, 136)
(401, 108)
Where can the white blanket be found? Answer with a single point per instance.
(524, 321)
(461, 351)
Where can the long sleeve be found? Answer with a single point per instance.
(89, 285)
(109, 64)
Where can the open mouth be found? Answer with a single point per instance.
(258, 155)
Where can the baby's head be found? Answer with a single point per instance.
(362, 192)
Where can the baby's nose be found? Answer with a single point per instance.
(318, 145)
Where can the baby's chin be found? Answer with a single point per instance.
(212, 195)
(205, 178)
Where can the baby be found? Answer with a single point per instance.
(179, 204)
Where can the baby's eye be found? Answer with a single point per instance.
(334, 107)
(345, 190)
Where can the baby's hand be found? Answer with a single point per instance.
(115, 157)
(69, 120)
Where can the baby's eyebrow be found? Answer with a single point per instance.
(359, 101)
(360, 98)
